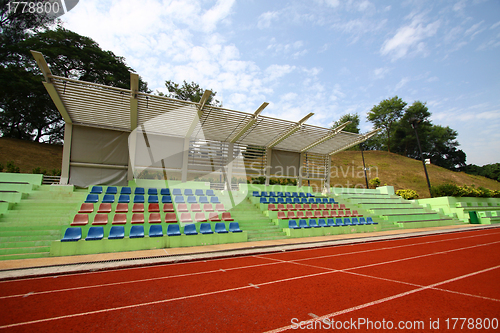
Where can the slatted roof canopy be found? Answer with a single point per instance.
(96, 105)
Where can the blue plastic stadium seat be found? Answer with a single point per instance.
(116, 232)
(188, 191)
(96, 190)
(191, 199)
(289, 200)
(309, 195)
(296, 200)
(190, 229)
(176, 191)
(179, 199)
(124, 198)
(280, 194)
(354, 221)
(199, 192)
(369, 220)
(137, 231)
(347, 221)
(331, 200)
(303, 224)
(95, 233)
(139, 190)
(108, 198)
(214, 200)
(338, 221)
(311, 200)
(138, 198)
(210, 193)
(152, 191)
(204, 200)
(272, 194)
(331, 223)
(153, 199)
(325, 200)
(220, 228)
(205, 228)
(303, 200)
(318, 200)
(126, 190)
(264, 194)
(173, 230)
(155, 231)
(302, 195)
(294, 194)
(165, 191)
(263, 200)
(272, 200)
(313, 224)
(321, 223)
(72, 235)
(92, 198)
(166, 199)
(111, 190)
(256, 194)
(281, 200)
(292, 224)
(234, 227)
(362, 220)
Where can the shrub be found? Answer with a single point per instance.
(39, 171)
(445, 190)
(56, 172)
(12, 168)
(452, 190)
(374, 182)
(407, 194)
(1, 167)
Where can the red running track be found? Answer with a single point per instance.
(416, 281)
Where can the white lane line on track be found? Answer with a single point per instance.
(296, 251)
(329, 271)
(227, 269)
(383, 300)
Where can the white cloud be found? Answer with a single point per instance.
(274, 72)
(495, 25)
(459, 6)
(474, 30)
(379, 73)
(409, 37)
(266, 18)
(329, 3)
(402, 83)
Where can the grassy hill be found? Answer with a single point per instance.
(347, 167)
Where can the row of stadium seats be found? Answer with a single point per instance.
(271, 200)
(317, 214)
(151, 191)
(87, 208)
(293, 207)
(282, 194)
(140, 198)
(137, 231)
(139, 218)
(292, 224)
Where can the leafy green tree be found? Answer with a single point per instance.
(405, 141)
(353, 127)
(188, 92)
(26, 110)
(385, 114)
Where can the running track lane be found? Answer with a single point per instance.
(418, 277)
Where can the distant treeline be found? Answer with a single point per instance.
(491, 171)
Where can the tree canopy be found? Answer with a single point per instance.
(353, 127)
(189, 92)
(385, 114)
(26, 110)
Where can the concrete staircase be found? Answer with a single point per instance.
(255, 223)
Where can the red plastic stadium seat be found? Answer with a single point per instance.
(309, 214)
(321, 207)
(356, 214)
(298, 207)
(272, 207)
(120, 219)
(220, 207)
(154, 218)
(318, 214)
(186, 217)
(214, 217)
(121, 208)
(326, 213)
(281, 207)
(154, 208)
(104, 208)
(290, 215)
(100, 219)
(300, 214)
(335, 206)
(329, 206)
(334, 213)
(168, 208)
(196, 208)
(200, 217)
(226, 216)
(80, 219)
(291, 207)
(342, 206)
(208, 208)
(307, 207)
(314, 206)
(137, 218)
(182, 208)
(281, 215)
(138, 208)
(341, 213)
(170, 218)
(86, 208)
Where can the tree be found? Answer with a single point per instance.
(385, 114)
(405, 142)
(26, 110)
(189, 92)
(353, 127)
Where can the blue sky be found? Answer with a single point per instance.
(330, 57)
